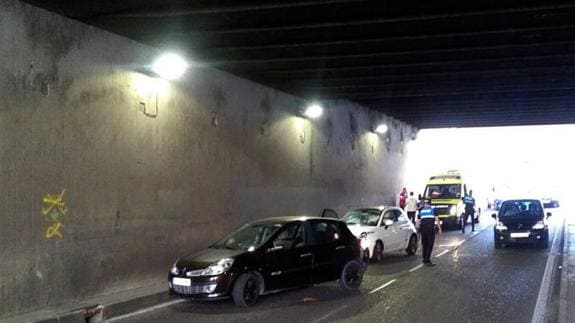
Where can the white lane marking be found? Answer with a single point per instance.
(442, 253)
(383, 286)
(145, 310)
(544, 289)
(457, 244)
(415, 268)
(337, 310)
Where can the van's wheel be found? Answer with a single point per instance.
(412, 246)
(246, 290)
(377, 252)
(351, 275)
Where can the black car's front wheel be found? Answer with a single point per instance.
(351, 275)
(246, 290)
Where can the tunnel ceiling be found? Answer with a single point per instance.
(429, 63)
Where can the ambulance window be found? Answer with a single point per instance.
(464, 190)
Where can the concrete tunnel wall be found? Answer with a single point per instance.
(99, 196)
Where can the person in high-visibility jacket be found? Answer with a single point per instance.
(428, 222)
(469, 202)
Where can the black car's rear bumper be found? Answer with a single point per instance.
(535, 236)
(203, 287)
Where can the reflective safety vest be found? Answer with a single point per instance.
(427, 213)
(468, 200)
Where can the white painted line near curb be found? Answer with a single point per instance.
(543, 296)
(383, 286)
(337, 310)
(146, 310)
(442, 253)
(415, 268)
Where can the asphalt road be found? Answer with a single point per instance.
(472, 282)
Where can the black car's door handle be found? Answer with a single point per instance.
(303, 255)
(339, 247)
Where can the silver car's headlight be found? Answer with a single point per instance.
(539, 226)
(500, 226)
(219, 267)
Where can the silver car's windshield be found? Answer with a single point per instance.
(363, 217)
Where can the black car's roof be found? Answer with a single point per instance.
(293, 218)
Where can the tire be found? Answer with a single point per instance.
(246, 290)
(498, 245)
(545, 243)
(377, 252)
(412, 246)
(351, 276)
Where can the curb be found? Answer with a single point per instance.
(132, 305)
(566, 271)
(99, 309)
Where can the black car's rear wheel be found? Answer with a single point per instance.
(412, 246)
(246, 290)
(351, 275)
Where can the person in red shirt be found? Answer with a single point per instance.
(403, 198)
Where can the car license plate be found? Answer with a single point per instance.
(182, 281)
(520, 235)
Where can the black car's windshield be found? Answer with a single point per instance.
(249, 236)
(443, 191)
(521, 208)
(363, 217)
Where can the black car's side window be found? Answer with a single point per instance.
(325, 232)
(292, 236)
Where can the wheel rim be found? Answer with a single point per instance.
(251, 291)
(353, 275)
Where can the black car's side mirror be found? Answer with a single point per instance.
(419, 197)
(548, 214)
(275, 248)
(494, 215)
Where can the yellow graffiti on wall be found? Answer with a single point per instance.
(54, 209)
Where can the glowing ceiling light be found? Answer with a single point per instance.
(170, 66)
(313, 111)
(381, 129)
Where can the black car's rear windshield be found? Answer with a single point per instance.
(521, 208)
(251, 235)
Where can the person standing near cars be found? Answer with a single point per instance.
(411, 207)
(428, 221)
(469, 202)
(402, 198)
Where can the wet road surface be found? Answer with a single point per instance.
(472, 282)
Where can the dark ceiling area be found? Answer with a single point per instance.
(429, 63)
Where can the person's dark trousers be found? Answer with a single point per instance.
(465, 217)
(411, 216)
(427, 238)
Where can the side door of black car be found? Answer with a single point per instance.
(329, 249)
(288, 258)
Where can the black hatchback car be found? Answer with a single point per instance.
(270, 255)
(521, 221)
